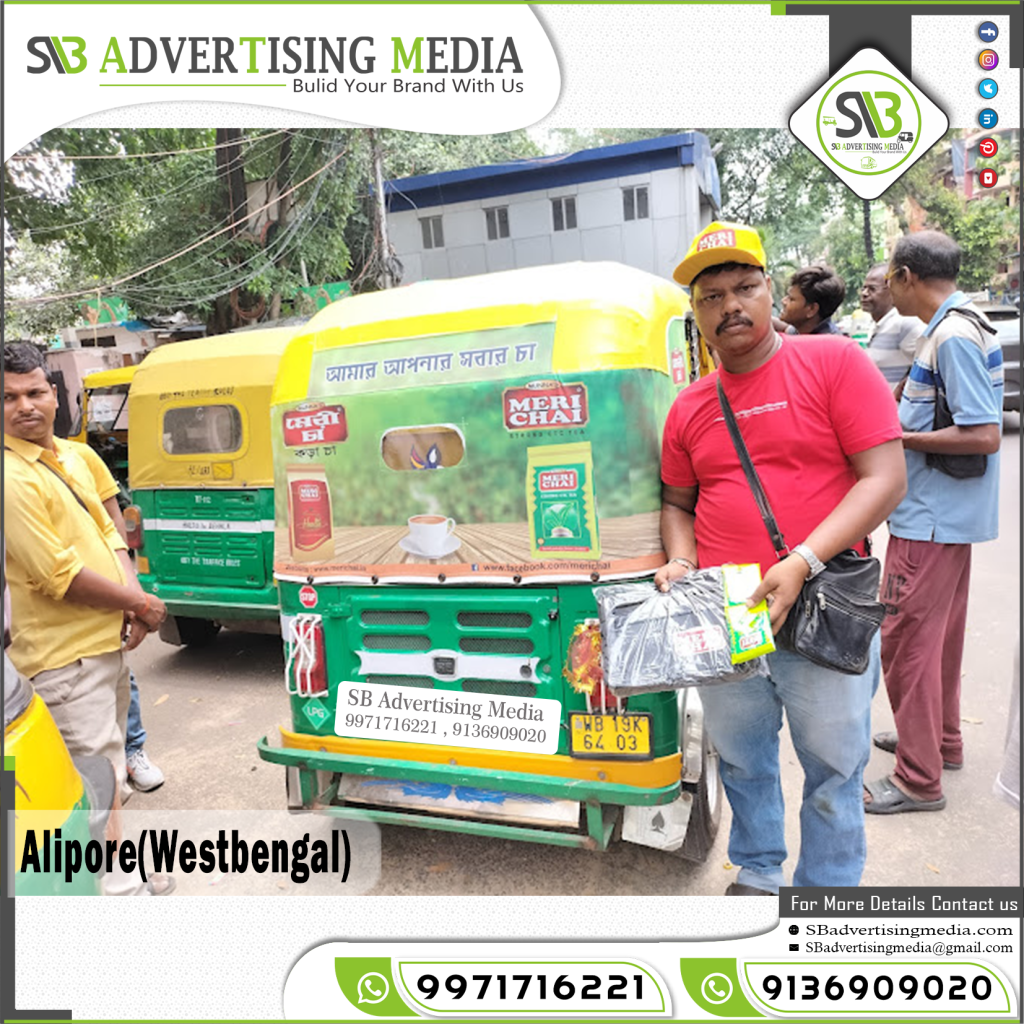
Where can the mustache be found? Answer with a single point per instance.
(730, 321)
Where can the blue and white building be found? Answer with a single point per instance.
(638, 203)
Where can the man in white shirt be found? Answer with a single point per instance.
(893, 338)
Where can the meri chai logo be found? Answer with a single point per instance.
(868, 124)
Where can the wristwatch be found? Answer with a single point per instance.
(813, 561)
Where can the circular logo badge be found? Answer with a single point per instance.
(308, 597)
(988, 59)
(988, 118)
(987, 88)
(987, 32)
(988, 147)
(988, 178)
(868, 122)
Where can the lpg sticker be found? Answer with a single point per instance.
(315, 711)
(868, 124)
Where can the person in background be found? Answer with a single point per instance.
(893, 338)
(74, 594)
(812, 296)
(142, 773)
(822, 431)
(927, 573)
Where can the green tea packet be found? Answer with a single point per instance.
(560, 501)
(750, 629)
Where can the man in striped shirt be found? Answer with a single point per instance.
(947, 509)
(893, 338)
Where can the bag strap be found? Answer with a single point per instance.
(63, 480)
(969, 314)
(760, 498)
(940, 396)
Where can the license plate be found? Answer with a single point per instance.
(619, 736)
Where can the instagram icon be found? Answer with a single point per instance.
(988, 59)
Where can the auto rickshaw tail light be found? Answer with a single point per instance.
(133, 526)
(305, 672)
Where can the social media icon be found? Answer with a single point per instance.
(988, 118)
(716, 988)
(372, 987)
(987, 88)
(987, 32)
(794, 929)
(988, 59)
(988, 147)
(988, 177)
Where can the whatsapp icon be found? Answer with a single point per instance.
(372, 987)
(367, 983)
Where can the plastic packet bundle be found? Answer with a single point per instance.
(656, 641)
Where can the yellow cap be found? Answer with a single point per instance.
(721, 242)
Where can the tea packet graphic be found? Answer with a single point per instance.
(560, 501)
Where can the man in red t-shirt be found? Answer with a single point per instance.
(821, 427)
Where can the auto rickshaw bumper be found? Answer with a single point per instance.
(599, 787)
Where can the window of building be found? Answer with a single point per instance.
(563, 213)
(635, 205)
(497, 222)
(433, 233)
(202, 430)
(103, 341)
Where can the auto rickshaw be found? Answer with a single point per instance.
(104, 421)
(52, 792)
(202, 512)
(458, 466)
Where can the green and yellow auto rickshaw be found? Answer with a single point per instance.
(458, 466)
(202, 514)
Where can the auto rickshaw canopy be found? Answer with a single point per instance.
(110, 378)
(226, 379)
(608, 316)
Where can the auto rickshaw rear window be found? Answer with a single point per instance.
(202, 430)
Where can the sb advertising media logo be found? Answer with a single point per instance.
(868, 124)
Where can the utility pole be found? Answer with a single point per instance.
(380, 214)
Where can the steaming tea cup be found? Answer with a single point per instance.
(429, 533)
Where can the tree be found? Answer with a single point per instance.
(162, 217)
(985, 230)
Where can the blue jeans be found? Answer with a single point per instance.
(829, 716)
(134, 734)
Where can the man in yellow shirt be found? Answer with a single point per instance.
(73, 590)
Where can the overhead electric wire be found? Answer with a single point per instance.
(139, 156)
(205, 176)
(228, 274)
(107, 286)
(304, 217)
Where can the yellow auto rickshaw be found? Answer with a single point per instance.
(200, 469)
(58, 800)
(458, 466)
(104, 421)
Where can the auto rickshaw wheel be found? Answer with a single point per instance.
(706, 815)
(181, 630)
